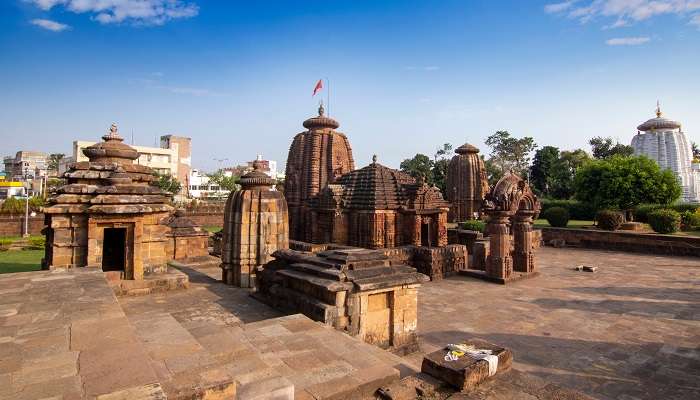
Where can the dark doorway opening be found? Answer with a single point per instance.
(425, 234)
(114, 249)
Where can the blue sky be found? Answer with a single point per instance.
(405, 76)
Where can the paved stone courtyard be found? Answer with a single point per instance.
(631, 330)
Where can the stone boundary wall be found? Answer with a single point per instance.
(206, 218)
(13, 224)
(625, 241)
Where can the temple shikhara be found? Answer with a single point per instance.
(466, 184)
(316, 158)
(664, 141)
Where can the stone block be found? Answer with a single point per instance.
(466, 372)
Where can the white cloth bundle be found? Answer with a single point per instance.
(457, 350)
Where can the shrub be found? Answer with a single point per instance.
(683, 207)
(609, 220)
(577, 210)
(641, 212)
(557, 217)
(473, 225)
(37, 242)
(665, 221)
(13, 205)
(690, 220)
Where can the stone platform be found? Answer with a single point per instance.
(629, 331)
(64, 334)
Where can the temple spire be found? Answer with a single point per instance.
(658, 109)
(321, 110)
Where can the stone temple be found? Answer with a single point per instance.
(379, 207)
(255, 225)
(111, 215)
(317, 157)
(663, 140)
(466, 183)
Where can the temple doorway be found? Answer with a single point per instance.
(425, 233)
(114, 249)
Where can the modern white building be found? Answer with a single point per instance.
(201, 187)
(663, 140)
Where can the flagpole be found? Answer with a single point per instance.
(328, 96)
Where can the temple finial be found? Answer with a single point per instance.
(113, 133)
(321, 110)
(374, 159)
(658, 109)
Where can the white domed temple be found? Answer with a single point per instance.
(663, 140)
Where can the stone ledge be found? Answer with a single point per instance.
(625, 241)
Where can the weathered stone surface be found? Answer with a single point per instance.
(466, 372)
(466, 184)
(354, 290)
(255, 225)
(110, 193)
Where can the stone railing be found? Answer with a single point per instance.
(623, 241)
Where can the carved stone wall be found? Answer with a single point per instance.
(255, 226)
(466, 183)
(316, 158)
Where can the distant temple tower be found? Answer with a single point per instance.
(316, 157)
(255, 225)
(466, 183)
(663, 140)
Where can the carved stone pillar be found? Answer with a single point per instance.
(523, 260)
(499, 263)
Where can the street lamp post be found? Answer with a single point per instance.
(26, 202)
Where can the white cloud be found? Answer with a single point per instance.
(139, 12)
(558, 7)
(627, 41)
(696, 20)
(625, 12)
(49, 25)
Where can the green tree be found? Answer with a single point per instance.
(418, 166)
(563, 175)
(441, 162)
(493, 171)
(696, 152)
(225, 182)
(508, 152)
(603, 148)
(169, 184)
(544, 166)
(625, 182)
(54, 160)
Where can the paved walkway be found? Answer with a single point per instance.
(629, 331)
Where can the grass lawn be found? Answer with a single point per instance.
(20, 260)
(573, 223)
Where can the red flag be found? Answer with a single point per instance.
(318, 87)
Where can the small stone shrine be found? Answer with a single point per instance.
(255, 225)
(187, 241)
(109, 215)
(316, 158)
(511, 206)
(354, 290)
(466, 184)
(379, 207)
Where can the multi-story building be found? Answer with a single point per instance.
(32, 163)
(201, 187)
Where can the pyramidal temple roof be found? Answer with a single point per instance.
(375, 187)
